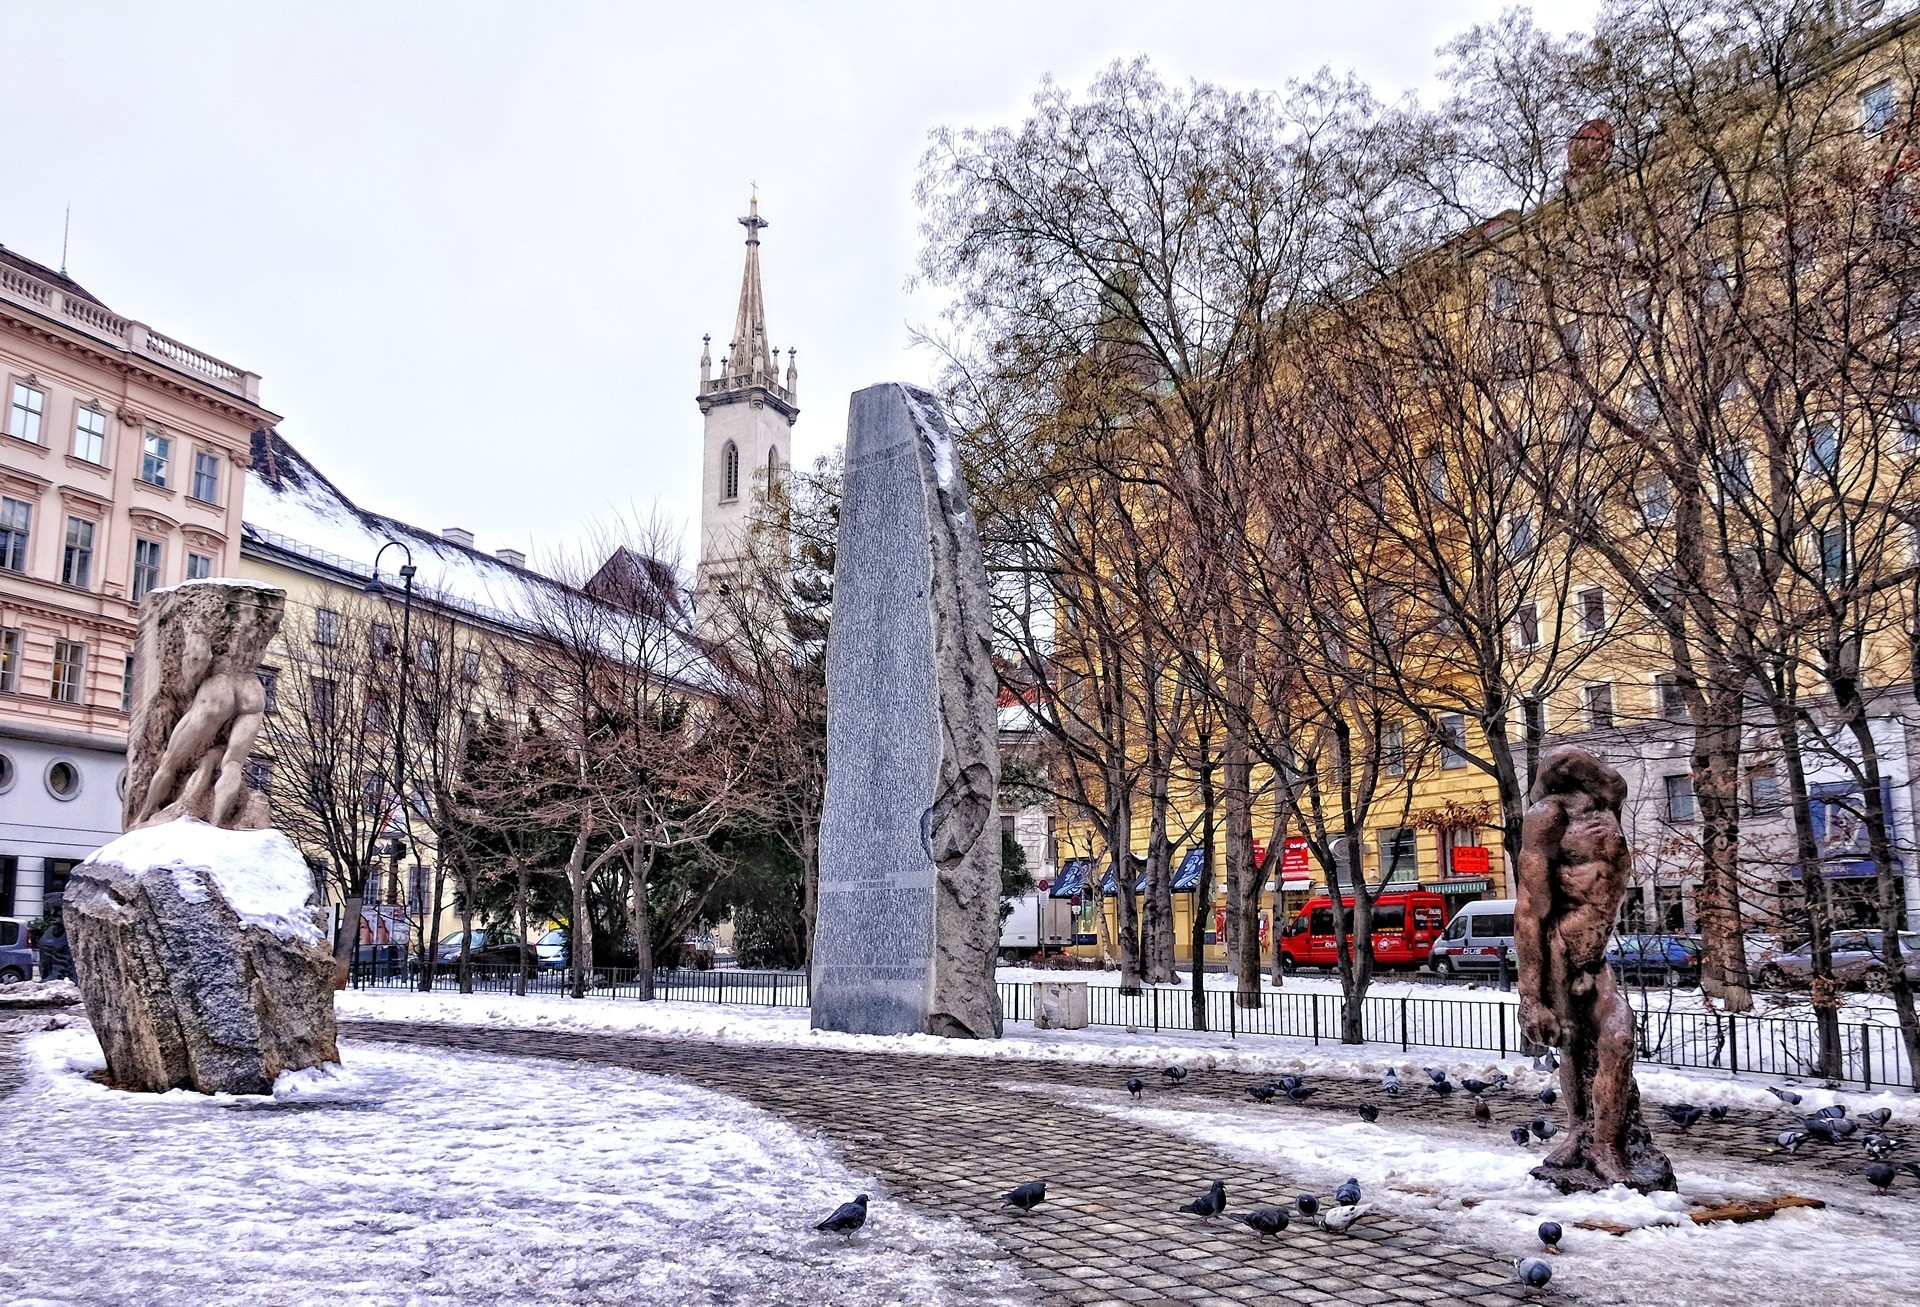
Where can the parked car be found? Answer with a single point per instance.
(696, 952)
(1475, 940)
(498, 948)
(1857, 960)
(552, 950)
(1655, 959)
(16, 951)
(1405, 925)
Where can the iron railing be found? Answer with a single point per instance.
(1872, 1054)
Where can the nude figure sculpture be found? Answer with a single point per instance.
(198, 703)
(1573, 876)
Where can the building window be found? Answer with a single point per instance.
(1520, 537)
(322, 694)
(1633, 910)
(1599, 703)
(259, 773)
(16, 519)
(1656, 504)
(10, 661)
(1679, 797)
(1672, 699)
(470, 666)
(326, 627)
(1436, 475)
(1593, 611)
(1736, 471)
(1646, 404)
(69, 665)
(1453, 740)
(380, 640)
(426, 654)
(90, 435)
(509, 677)
(378, 719)
(1399, 854)
(1763, 790)
(1526, 626)
(126, 684)
(1832, 544)
(206, 476)
(146, 567)
(63, 781)
(76, 565)
(1393, 750)
(28, 407)
(199, 567)
(270, 686)
(1669, 908)
(730, 471)
(1822, 453)
(1878, 108)
(156, 452)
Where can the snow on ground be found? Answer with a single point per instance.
(423, 1178)
(1264, 1055)
(1861, 1250)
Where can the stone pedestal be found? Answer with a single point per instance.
(1059, 1005)
(909, 920)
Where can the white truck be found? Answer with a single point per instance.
(1037, 924)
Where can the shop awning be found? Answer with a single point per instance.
(1847, 868)
(1463, 885)
(1186, 876)
(1072, 878)
(1108, 885)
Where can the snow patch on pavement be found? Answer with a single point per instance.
(408, 1177)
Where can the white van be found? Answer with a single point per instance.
(1476, 938)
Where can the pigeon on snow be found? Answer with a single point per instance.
(1262, 1093)
(1521, 1135)
(1348, 1194)
(1786, 1096)
(1134, 1085)
(846, 1218)
(1369, 1113)
(1548, 1096)
(1550, 1236)
(1533, 1272)
(1683, 1115)
(1175, 1073)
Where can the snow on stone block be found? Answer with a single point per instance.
(201, 962)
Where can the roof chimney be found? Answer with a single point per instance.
(1590, 149)
(459, 535)
(512, 557)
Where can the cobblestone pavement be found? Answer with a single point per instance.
(951, 1135)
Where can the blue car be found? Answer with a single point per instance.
(1655, 959)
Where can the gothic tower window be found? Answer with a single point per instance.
(730, 471)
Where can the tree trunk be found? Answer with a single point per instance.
(466, 942)
(580, 928)
(348, 944)
(1203, 892)
(1243, 876)
(430, 952)
(1120, 845)
(809, 887)
(1813, 891)
(643, 925)
(1158, 926)
(1276, 847)
(520, 916)
(1716, 788)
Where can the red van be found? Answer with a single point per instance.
(1405, 924)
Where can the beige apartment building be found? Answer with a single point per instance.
(123, 456)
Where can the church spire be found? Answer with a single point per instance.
(751, 357)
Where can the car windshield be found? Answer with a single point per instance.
(453, 940)
(553, 938)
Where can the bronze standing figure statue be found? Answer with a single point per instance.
(1573, 877)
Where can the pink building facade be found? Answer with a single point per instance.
(123, 457)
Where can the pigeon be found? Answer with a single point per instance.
(1028, 1196)
(1369, 1113)
(1267, 1220)
(1532, 1272)
(1818, 1127)
(1307, 1204)
(1880, 1176)
(1547, 1061)
(1683, 1115)
(1833, 1111)
(1845, 1129)
(1911, 1168)
(1290, 1083)
(1441, 1086)
(1786, 1096)
(1548, 1096)
(1791, 1140)
(1877, 1117)
(1175, 1073)
(1880, 1147)
(1434, 1074)
(1261, 1093)
(1211, 1203)
(1301, 1093)
(1717, 1113)
(1338, 1220)
(1391, 1083)
(1348, 1194)
(1473, 1086)
(1134, 1085)
(1550, 1236)
(846, 1218)
(1544, 1129)
(1521, 1136)
(1482, 1114)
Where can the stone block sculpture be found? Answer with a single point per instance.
(198, 950)
(1573, 876)
(909, 909)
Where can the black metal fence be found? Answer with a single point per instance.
(1872, 1055)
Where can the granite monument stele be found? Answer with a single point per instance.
(909, 910)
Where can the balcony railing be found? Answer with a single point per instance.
(91, 319)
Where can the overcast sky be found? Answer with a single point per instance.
(471, 248)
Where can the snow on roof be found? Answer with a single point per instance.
(259, 873)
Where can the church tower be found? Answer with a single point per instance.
(749, 413)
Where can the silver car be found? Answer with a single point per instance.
(1857, 960)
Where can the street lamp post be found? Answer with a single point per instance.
(375, 587)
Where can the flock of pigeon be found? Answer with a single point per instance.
(1829, 1125)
